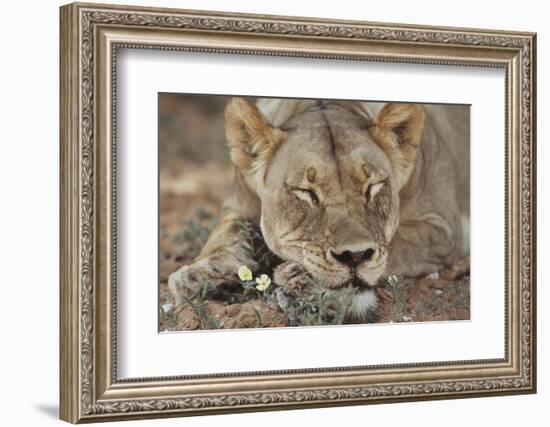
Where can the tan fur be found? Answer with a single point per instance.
(252, 140)
(398, 129)
(327, 179)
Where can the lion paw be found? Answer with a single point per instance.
(292, 277)
(213, 271)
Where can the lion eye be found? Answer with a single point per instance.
(307, 195)
(313, 196)
(373, 189)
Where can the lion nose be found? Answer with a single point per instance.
(354, 257)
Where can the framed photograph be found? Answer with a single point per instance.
(266, 212)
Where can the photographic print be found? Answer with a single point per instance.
(304, 212)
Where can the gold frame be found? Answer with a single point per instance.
(90, 36)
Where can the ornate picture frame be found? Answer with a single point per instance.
(91, 34)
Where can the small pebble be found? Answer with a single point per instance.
(438, 292)
(167, 308)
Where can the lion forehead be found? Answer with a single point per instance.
(327, 144)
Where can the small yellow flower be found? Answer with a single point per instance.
(263, 282)
(244, 273)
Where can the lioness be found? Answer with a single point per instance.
(346, 192)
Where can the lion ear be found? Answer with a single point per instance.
(251, 138)
(398, 131)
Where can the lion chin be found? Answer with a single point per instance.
(364, 307)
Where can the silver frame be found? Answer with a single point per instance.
(90, 37)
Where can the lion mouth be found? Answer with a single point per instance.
(358, 283)
(366, 278)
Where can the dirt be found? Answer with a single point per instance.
(440, 296)
(181, 197)
(218, 315)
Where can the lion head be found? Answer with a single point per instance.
(328, 176)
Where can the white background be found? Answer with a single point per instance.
(141, 347)
(29, 171)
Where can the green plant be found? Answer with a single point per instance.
(198, 306)
(194, 234)
(397, 287)
(318, 306)
(256, 246)
(168, 320)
